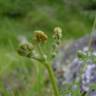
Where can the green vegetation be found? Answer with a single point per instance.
(22, 17)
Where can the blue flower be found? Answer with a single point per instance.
(88, 78)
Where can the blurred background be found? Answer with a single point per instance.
(20, 18)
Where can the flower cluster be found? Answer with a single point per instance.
(83, 71)
(30, 50)
(88, 78)
(57, 36)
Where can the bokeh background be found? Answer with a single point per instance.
(20, 18)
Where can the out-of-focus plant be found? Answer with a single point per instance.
(88, 74)
(36, 52)
(80, 73)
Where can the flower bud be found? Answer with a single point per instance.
(25, 49)
(58, 42)
(57, 33)
(53, 54)
(55, 46)
(81, 54)
(45, 57)
(40, 36)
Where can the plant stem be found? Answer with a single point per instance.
(91, 36)
(91, 33)
(50, 72)
(52, 78)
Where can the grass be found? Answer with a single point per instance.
(73, 22)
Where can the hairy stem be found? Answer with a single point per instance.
(52, 79)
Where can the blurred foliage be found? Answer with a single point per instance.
(22, 17)
(20, 6)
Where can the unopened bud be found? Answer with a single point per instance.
(25, 49)
(55, 46)
(58, 42)
(81, 54)
(57, 33)
(40, 36)
(53, 54)
(45, 57)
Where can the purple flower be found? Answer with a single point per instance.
(92, 93)
(88, 78)
(73, 71)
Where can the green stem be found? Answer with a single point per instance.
(52, 78)
(50, 72)
(91, 33)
